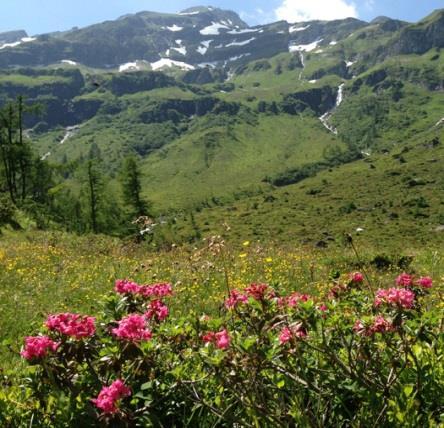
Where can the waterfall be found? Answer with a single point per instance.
(70, 131)
(301, 56)
(326, 116)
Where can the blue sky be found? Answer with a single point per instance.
(40, 16)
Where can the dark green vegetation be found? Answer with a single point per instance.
(240, 141)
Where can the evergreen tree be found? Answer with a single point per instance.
(132, 187)
(94, 183)
(15, 152)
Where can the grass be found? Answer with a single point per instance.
(394, 196)
(225, 159)
(31, 81)
(52, 272)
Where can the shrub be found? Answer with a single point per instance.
(350, 356)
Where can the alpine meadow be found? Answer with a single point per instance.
(206, 223)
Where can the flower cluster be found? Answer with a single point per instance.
(235, 298)
(424, 282)
(295, 331)
(157, 310)
(38, 347)
(380, 325)
(260, 291)
(156, 290)
(109, 396)
(124, 286)
(293, 300)
(356, 277)
(400, 297)
(74, 325)
(221, 339)
(133, 328)
(406, 280)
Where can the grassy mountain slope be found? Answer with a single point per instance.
(394, 197)
(225, 160)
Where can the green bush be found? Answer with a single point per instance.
(351, 356)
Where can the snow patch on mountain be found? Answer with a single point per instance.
(243, 43)
(203, 48)
(165, 62)
(181, 49)
(196, 12)
(235, 58)
(306, 48)
(68, 61)
(295, 29)
(214, 28)
(129, 66)
(175, 28)
(17, 43)
(244, 31)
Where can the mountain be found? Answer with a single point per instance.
(196, 36)
(11, 37)
(337, 116)
(421, 37)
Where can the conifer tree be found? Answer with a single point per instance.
(132, 187)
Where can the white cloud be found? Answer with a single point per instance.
(306, 10)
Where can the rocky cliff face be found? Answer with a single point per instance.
(12, 36)
(419, 38)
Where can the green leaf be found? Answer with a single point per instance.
(408, 389)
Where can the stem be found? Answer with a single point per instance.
(361, 264)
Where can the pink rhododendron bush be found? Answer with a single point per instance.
(356, 355)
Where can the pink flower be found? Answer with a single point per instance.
(235, 298)
(292, 300)
(133, 328)
(209, 337)
(160, 290)
(359, 327)
(156, 290)
(337, 290)
(400, 297)
(74, 325)
(425, 282)
(38, 347)
(221, 339)
(123, 286)
(295, 331)
(323, 308)
(285, 335)
(404, 280)
(356, 277)
(381, 325)
(109, 396)
(259, 291)
(157, 309)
